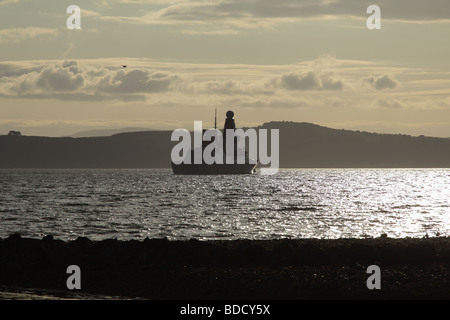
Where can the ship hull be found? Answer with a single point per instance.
(214, 168)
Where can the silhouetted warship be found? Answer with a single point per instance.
(248, 167)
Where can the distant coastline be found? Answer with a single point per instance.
(302, 145)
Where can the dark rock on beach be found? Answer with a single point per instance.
(237, 269)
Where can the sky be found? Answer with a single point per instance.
(304, 61)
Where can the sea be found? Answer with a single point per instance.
(136, 204)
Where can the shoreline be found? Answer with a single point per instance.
(284, 269)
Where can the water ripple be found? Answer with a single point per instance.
(133, 204)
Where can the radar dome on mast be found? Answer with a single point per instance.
(229, 121)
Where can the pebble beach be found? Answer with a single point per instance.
(161, 269)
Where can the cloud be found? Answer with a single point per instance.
(140, 2)
(382, 82)
(295, 81)
(274, 102)
(222, 87)
(143, 81)
(318, 74)
(187, 83)
(222, 32)
(53, 79)
(389, 103)
(231, 13)
(89, 13)
(57, 79)
(16, 69)
(308, 81)
(3, 2)
(13, 35)
(252, 14)
(69, 81)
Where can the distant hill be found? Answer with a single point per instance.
(310, 145)
(302, 145)
(104, 132)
